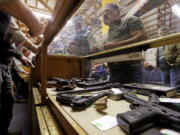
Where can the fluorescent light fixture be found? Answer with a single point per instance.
(69, 22)
(41, 35)
(176, 10)
(47, 16)
(56, 38)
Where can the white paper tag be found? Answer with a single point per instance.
(105, 123)
(116, 90)
(169, 132)
(52, 91)
(169, 100)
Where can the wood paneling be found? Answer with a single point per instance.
(70, 125)
(43, 121)
(64, 67)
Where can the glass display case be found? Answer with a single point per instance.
(98, 25)
(102, 31)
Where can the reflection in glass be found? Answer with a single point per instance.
(89, 29)
(99, 25)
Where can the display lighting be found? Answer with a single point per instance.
(176, 10)
(47, 16)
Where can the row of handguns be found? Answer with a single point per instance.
(144, 114)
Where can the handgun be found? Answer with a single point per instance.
(147, 115)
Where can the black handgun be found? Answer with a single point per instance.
(147, 115)
(147, 89)
(79, 102)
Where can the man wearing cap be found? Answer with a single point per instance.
(124, 31)
(80, 45)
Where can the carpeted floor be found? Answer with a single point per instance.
(20, 118)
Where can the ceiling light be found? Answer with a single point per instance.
(69, 22)
(41, 36)
(176, 10)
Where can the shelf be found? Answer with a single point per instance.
(157, 42)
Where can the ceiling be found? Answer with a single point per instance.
(45, 6)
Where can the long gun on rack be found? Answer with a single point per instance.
(91, 83)
(92, 89)
(147, 115)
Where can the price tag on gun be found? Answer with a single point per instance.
(169, 100)
(115, 94)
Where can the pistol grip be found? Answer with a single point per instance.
(136, 120)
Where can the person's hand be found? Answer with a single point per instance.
(149, 66)
(26, 62)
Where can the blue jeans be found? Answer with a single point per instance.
(175, 77)
(6, 98)
(165, 75)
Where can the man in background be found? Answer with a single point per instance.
(99, 72)
(80, 45)
(161, 60)
(172, 56)
(17, 9)
(123, 31)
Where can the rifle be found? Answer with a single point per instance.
(79, 102)
(92, 89)
(147, 115)
(91, 83)
(155, 99)
(147, 89)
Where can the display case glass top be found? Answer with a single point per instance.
(101, 25)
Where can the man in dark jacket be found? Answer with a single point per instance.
(6, 92)
(161, 60)
(172, 56)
